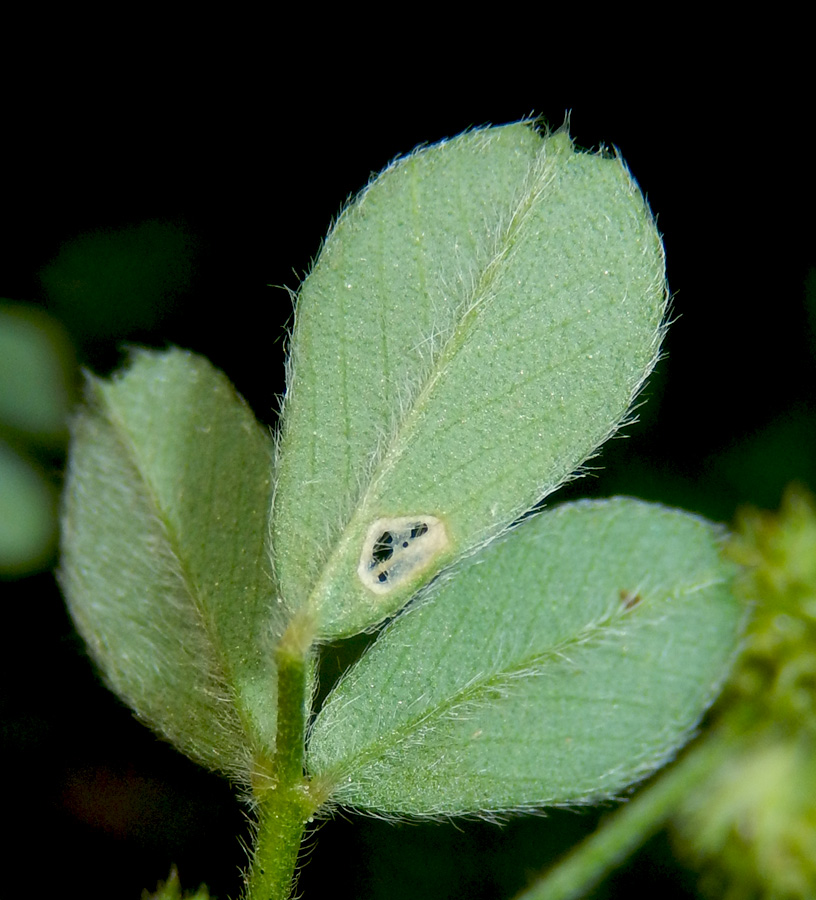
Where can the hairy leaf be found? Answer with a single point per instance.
(165, 560)
(477, 323)
(563, 662)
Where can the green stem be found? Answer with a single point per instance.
(281, 823)
(284, 802)
(627, 828)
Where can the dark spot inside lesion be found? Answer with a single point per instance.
(383, 549)
(629, 599)
(388, 543)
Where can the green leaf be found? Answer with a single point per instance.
(35, 374)
(165, 560)
(114, 281)
(478, 322)
(27, 515)
(565, 661)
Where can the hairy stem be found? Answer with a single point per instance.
(626, 829)
(284, 802)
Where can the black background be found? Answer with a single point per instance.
(254, 177)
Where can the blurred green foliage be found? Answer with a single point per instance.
(751, 825)
(101, 286)
(110, 283)
(36, 386)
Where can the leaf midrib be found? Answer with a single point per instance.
(219, 666)
(531, 665)
(538, 179)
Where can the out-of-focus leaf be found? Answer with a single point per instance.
(27, 515)
(112, 282)
(35, 374)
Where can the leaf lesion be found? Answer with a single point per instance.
(437, 354)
